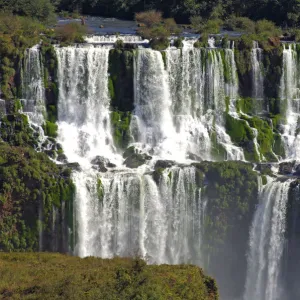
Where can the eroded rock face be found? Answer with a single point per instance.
(101, 163)
(135, 158)
(164, 164)
(286, 168)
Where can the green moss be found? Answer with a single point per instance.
(264, 180)
(164, 57)
(278, 146)
(246, 105)
(111, 88)
(121, 128)
(265, 137)
(50, 129)
(238, 130)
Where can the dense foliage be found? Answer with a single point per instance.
(281, 12)
(43, 275)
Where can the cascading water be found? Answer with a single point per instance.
(267, 243)
(83, 106)
(290, 96)
(257, 73)
(152, 124)
(111, 39)
(33, 91)
(135, 215)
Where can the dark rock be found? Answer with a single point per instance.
(136, 160)
(62, 158)
(297, 170)
(74, 166)
(265, 169)
(101, 164)
(129, 151)
(51, 153)
(164, 164)
(193, 156)
(286, 167)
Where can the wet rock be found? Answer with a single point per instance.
(101, 163)
(75, 166)
(286, 168)
(193, 156)
(62, 158)
(297, 170)
(164, 164)
(129, 151)
(265, 169)
(135, 158)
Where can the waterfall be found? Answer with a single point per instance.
(33, 91)
(267, 242)
(290, 95)
(161, 222)
(178, 109)
(152, 124)
(83, 106)
(257, 73)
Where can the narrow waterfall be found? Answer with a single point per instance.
(33, 91)
(290, 96)
(257, 74)
(267, 242)
(83, 106)
(152, 125)
(186, 79)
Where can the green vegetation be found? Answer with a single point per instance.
(50, 129)
(29, 181)
(231, 190)
(155, 28)
(121, 128)
(44, 275)
(71, 33)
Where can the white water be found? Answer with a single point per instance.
(33, 91)
(290, 96)
(267, 242)
(257, 73)
(161, 223)
(111, 39)
(83, 106)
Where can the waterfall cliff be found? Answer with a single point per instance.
(154, 134)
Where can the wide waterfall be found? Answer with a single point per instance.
(180, 101)
(267, 243)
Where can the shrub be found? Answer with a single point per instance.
(240, 24)
(71, 33)
(119, 44)
(178, 42)
(267, 29)
(149, 18)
